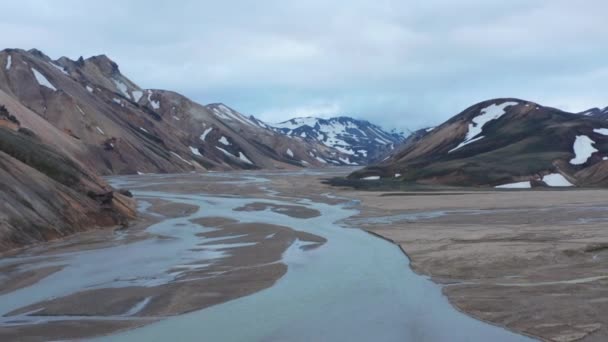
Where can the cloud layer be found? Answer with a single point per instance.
(404, 64)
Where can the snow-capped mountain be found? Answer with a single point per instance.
(360, 140)
(503, 143)
(596, 113)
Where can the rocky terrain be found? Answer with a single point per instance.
(45, 192)
(362, 142)
(504, 143)
(126, 130)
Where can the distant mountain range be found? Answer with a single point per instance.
(361, 141)
(505, 143)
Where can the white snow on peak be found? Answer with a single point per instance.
(195, 151)
(289, 152)
(204, 135)
(602, 131)
(583, 149)
(229, 114)
(519, 185)
(60, 68)
(137, 94)
(122, 87)
(486, 115)
(556, 179)
(89, 89)
(224, 141)
(42, 80)
(9, 62)
(371, 178)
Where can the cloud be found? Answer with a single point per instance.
(403, 64)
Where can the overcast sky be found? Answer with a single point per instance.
(404, 64)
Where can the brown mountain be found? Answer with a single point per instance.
(45, 192)
(126, 129)
(506, 143)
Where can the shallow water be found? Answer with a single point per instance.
(356, 287)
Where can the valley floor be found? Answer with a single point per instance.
(531, 261)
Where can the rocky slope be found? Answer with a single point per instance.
(361, 141)
(126, 129)
(508, 143)
(44, 192)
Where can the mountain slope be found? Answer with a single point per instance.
(504, 142)
(126, 129)
(45, 193)
(361, 141)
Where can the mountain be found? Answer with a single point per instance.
(361, 141)
(45, 192)
(504, 143)
(596, 113)
(124, 129)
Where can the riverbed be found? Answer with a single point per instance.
(296, 270)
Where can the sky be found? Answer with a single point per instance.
(403, 64)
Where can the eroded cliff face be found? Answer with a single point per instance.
(46, 194)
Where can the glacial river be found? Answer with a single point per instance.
(355, 287)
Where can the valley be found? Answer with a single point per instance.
(140, 214)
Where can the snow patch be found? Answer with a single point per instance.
(116, 100)
(89, 89)
(60, 68)
(195, 151)
(122, 87)
(176, 118)
(602, 131)
(9, 62)
(583, 149)
(137, 94)
(42, 80)
(99, 130)
(180, 157)
(244, 158)
(224, 141)
(154, 104)
(371, 178)
(321, 160)
(397, 175)
(556, 179)
(143, 129)
(289, 152)
(519, 185)
(488, 114)
(205, 133)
